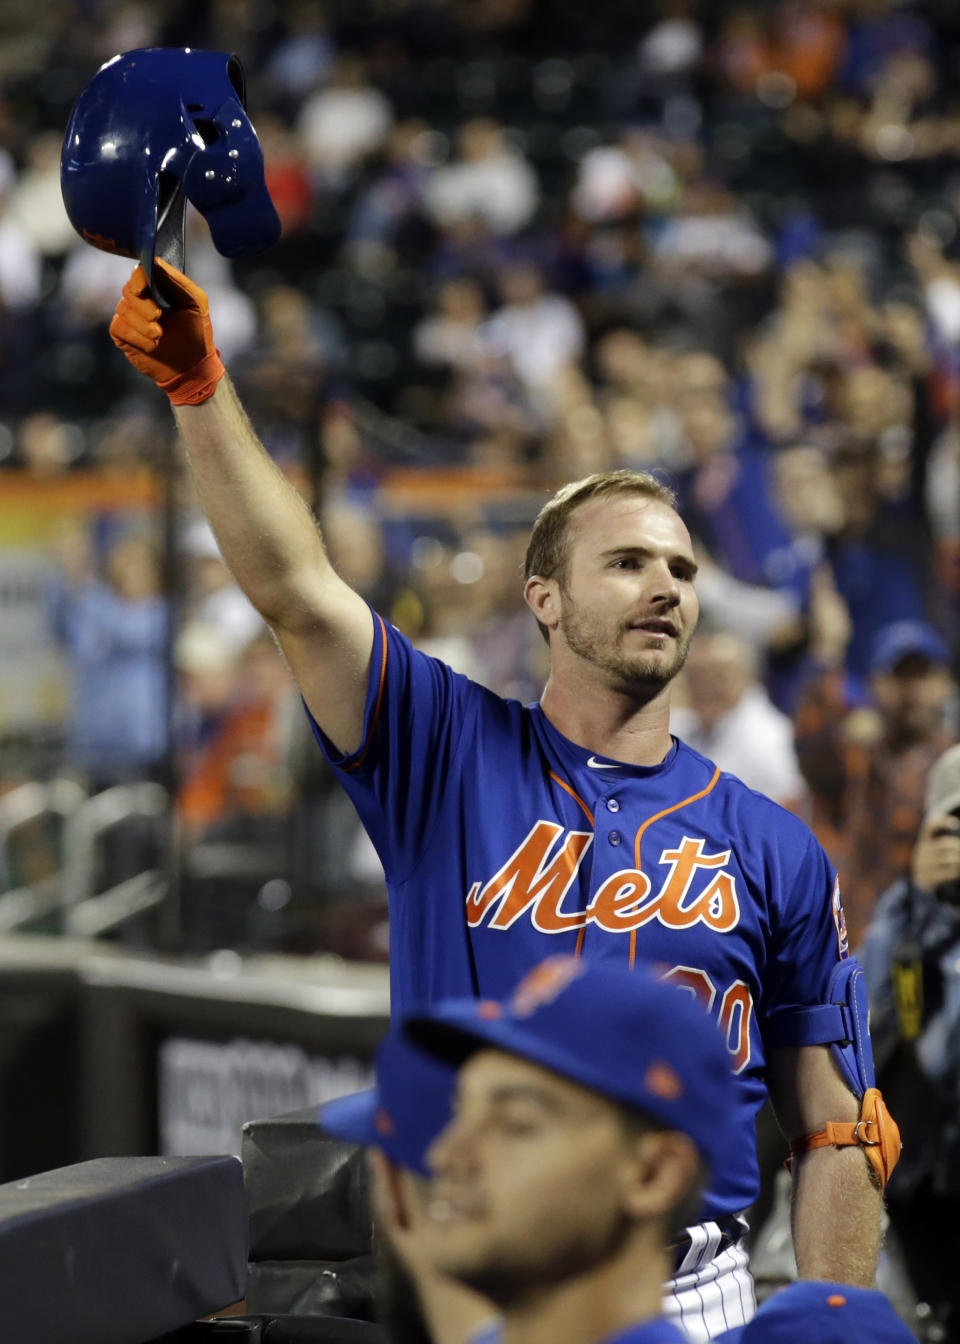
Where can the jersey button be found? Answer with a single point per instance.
(614, 837)
(613, 804)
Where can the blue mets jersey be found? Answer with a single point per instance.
(503, 842)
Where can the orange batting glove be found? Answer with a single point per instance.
(175, 346)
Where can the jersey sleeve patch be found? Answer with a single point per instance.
(839, 920)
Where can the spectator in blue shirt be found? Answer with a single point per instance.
(113, 631)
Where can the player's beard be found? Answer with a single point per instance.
(643, 673)
(508, 1275)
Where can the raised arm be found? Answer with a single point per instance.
(266, 533)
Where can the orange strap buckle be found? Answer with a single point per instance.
(876, 1132)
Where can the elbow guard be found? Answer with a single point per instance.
(843, 1024)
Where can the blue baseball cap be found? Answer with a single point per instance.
(636, 1040)
(811, 1312)
(899, 639)
(406, 1110)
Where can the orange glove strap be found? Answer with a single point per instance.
(175, 348)
(197, 384)
(876, 1132)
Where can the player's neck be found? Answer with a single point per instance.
(609, 723)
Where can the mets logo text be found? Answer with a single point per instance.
(541, 870)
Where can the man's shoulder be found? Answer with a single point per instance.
(769, 822)
(730, 788)
(451, 661)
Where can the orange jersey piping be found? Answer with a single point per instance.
(649, 822)
(576, 797)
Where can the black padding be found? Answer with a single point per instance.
(313, 1287)
(278, 1330)
(308, 1194)
(120, 1250)
(221, 1330)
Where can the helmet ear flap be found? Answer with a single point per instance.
(226, 183)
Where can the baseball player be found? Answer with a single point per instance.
(576, 825)
(397, 1121)
(590, 1107)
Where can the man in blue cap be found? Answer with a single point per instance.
(591, 1110)
(822, 1313)
(397, 1120)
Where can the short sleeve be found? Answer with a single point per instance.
(810, 935)
(417, 716)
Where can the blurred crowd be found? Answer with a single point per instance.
(523, 241)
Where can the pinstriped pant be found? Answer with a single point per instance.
(710, 1291)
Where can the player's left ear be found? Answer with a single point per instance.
(659, 1170)
(542, 596)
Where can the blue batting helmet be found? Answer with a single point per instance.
(153, 129)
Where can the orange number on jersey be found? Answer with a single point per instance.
(698, 982)
(736, 1008)
(735, 1012)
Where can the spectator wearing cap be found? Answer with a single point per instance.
(911, 957)
(822, 1313)
(865, 753)
(397, 1120)
(590, 1112)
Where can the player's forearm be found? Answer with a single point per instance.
(837, 1211)
(265, 530)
